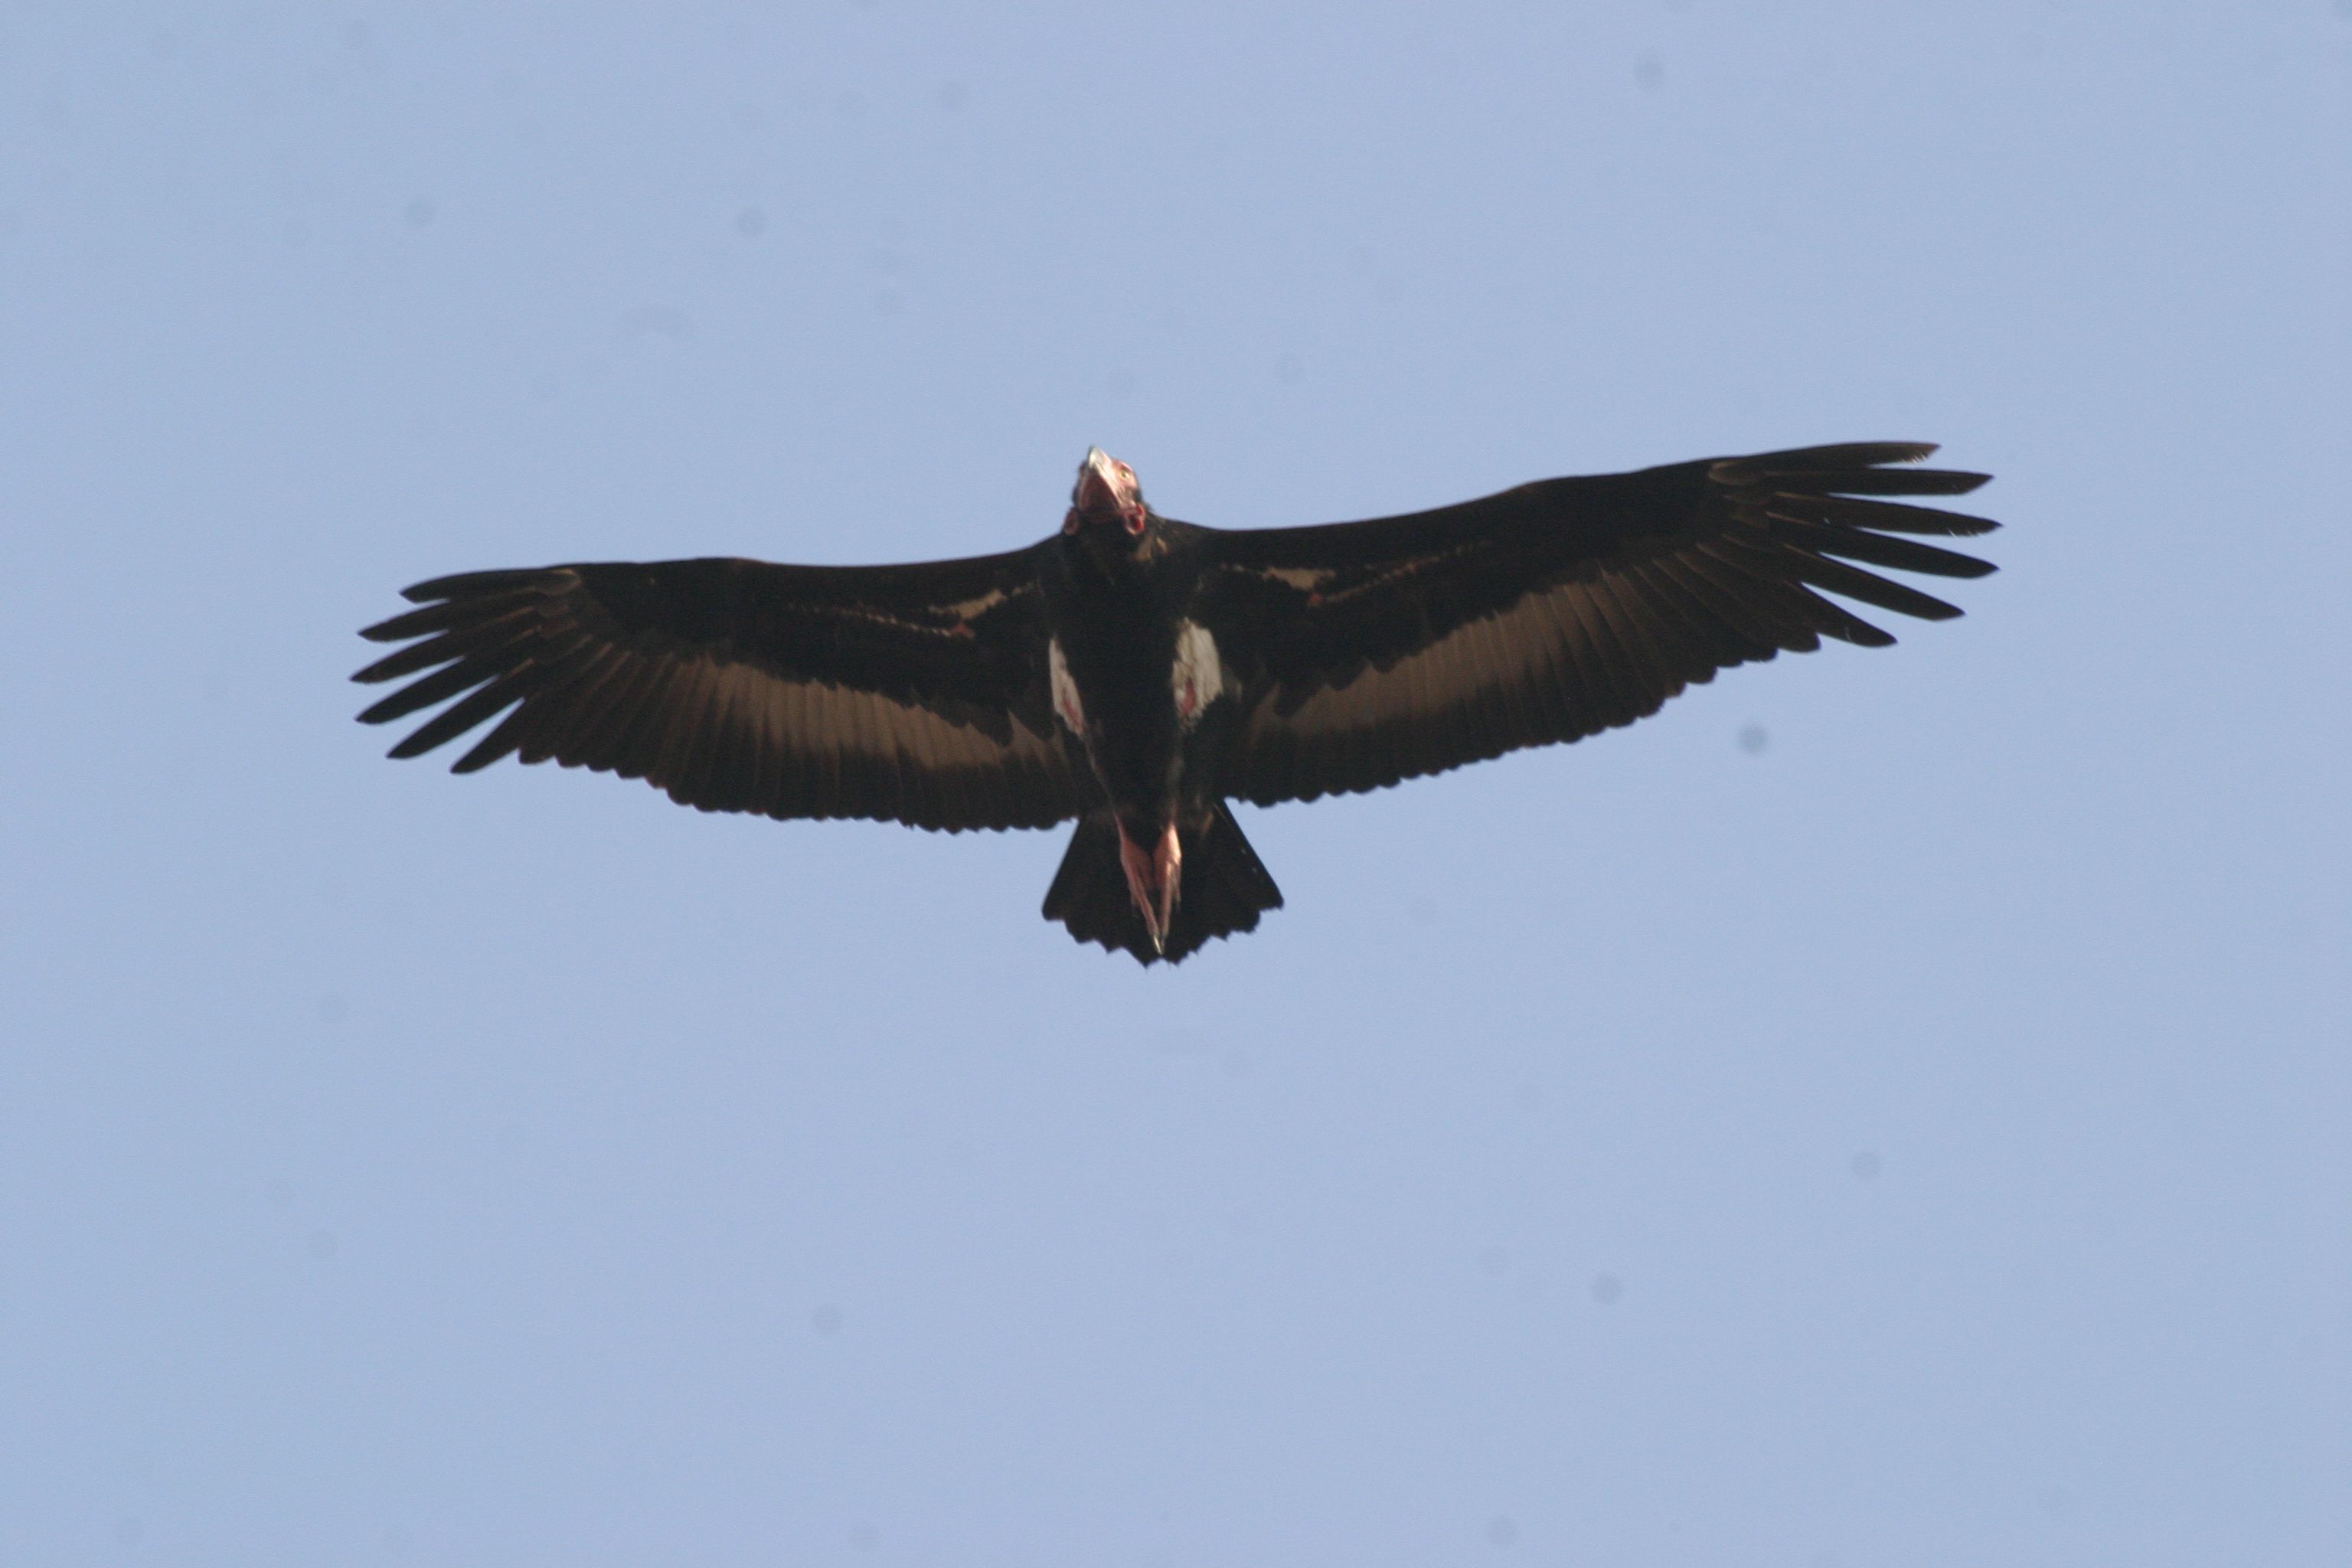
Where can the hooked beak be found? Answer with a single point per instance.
(1098, 482)
(1106, 488)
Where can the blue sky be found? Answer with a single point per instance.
(1888, 1108)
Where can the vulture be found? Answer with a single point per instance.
(1137, 674)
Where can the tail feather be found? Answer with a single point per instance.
(1090, 891)
(1223, 889)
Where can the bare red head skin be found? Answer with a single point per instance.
(1106, 492)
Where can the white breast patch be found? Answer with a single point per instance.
(1199, 678)
(1066, 705)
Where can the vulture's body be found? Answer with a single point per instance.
(1135, 672)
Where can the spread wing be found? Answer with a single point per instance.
(1372, 652)
(913, 693)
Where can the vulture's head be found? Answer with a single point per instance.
(1106, 506)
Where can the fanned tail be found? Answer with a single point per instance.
(1222, 889)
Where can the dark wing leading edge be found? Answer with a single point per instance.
(912, 693)
(1370, 652)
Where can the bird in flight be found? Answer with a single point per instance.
(1137, 673)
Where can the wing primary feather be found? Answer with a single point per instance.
(1737, 591)
(475, 584)
(1714, 642)
(466, 610)
(1696, 643)
(464, 714)
(548, 679)
(1855, 583)
(1854, 544)
(1837, 621)
(441, 685)
(506, 736)
(1876, 481)
(455, 643)
(1888, 516)
(583, 702)
(1753, 575)
(1845, 456)
(419, 623)
(1734, 619)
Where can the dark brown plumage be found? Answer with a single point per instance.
(1136, 671)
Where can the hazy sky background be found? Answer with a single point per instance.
(1890, 1109)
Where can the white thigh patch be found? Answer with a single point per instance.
(1199, 678)
(1066, 705)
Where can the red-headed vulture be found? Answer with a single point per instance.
(1136, 673)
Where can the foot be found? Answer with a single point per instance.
(1152, 877)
